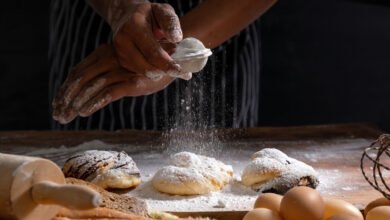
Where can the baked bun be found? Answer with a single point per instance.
(273, 171)
(107, 169)
(191, 174)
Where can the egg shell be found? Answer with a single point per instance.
(269, 200)
(379, 213)
(262, 214)
(302, 203)
(343, 217)
(377, 202)
(337, 206)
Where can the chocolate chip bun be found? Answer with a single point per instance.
(271, 170)
(107, 169)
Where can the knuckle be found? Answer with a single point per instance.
(167, 7)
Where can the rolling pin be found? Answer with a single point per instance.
(34, 188)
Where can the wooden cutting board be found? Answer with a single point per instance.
(333, 150)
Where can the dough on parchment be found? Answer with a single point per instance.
(192, 174)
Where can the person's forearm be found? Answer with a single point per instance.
(215, 21)
(113, 11)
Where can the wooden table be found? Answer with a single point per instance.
(333, 150)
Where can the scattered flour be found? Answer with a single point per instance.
(233, 197)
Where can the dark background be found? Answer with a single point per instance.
(324, 61)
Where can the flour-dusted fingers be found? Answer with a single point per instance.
(90, 60)
(66, 116)
(168, 22)
(136, 86)
(96, 85)
(103, 61)
(79, 79)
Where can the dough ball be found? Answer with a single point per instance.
(107, 169)
(192, 174)
(273, 171)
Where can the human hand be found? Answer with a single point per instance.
(138, 31)
(97, 81)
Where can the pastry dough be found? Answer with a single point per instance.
(272, 170)
(107, 169)
(191, 174)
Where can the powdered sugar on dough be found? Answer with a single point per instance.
(271, 169)
(105, 168)
(191, 174)
(271, 153)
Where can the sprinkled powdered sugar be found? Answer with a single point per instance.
(284, 172)
(271, 153)
(206, 173)
(233, 196)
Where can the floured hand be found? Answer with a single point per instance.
(97, 81)
(138, 28)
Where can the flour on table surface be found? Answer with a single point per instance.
(237, 154)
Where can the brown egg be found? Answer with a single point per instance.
(302, 203)
(377, 202)
(337, 206)
(379, 213)
(343, 217)
(269, 201)
(262, 214)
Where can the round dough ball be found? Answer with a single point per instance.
(337, 207)
(260, 170)
(192, 174)
(261, 214)
(181, 181)
(377, 202)
(302, 203)
(269, 200)
(379, 213)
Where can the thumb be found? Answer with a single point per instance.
(168, 22)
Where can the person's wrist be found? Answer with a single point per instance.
(118, 12)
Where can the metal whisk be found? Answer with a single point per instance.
(379, 174)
